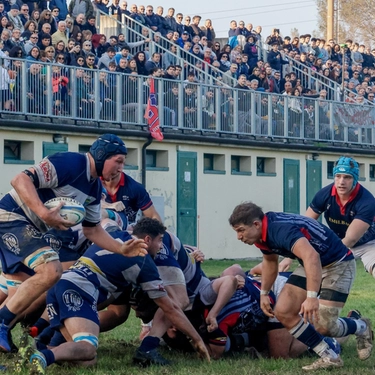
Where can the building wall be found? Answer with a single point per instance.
(218, 193)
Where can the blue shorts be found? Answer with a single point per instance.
(64, 242)
(67, 300)
(19, 239)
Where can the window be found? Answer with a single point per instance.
(372, 172)
(214, 163)
(157, 160)
(132, 159)
(330, 165)
(240, 165)
(83, 148)
(362, 176)
(50, 148)
(266, 166)
(18, 152)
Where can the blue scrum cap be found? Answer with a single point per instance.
(349, 166)
(104, 147)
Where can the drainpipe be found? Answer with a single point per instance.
(145, 145)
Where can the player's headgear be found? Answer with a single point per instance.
(104, 147)
(349, 166)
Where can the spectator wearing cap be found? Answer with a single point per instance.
(77, 7)
(208, 30)
(63, 8)
(195, 27)
(274, 57)
(185, 37)
(13, 16)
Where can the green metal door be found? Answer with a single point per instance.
(313, 179)
(187, 197)
(291, 186)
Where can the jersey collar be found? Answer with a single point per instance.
(352, 196)
(262, 244)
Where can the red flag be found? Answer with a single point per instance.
(152, 114)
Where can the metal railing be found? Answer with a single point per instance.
(134, 31)
(54, 91)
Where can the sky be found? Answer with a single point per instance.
(282, 14)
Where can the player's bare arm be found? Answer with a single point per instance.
(355, 231)
(313, 269)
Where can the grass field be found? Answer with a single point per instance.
(116, 348)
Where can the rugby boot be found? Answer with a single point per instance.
(38, 364)
(4, 339)
(153, 357)
(365, 341)
(324, 363)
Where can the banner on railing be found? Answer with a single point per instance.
(354, 115)
(152, 114)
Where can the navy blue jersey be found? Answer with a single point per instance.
(361, 206)
(65, 174)
(132, 194)
(281, 231)
(111, 273)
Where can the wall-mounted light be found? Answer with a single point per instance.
(315, 156)
(58, 138)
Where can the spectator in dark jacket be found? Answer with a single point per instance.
(274, 58)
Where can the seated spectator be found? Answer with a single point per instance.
(133, 66)
(50, 53)
(122, 66)
(250, 49)
(90, 61)
(231, 75)
(140, 59)
(75, 54)
(101, 48)
(13, 16)
(169, 58)
(255, 74)
(61, 5)
(216, 49)
(60, 34)
(87, 47)
(32, 42)
(107, 58)
(153, 62)
(30, 27)
(236, 52)
(224, 62)
(170, 72)
(46, 17)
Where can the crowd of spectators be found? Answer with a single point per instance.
(68, 37)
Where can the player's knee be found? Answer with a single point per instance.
(88, 345)
(283, 315)
(328, 321)
(43, 257)
(49, 273)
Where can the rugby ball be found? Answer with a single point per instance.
(72, 211)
